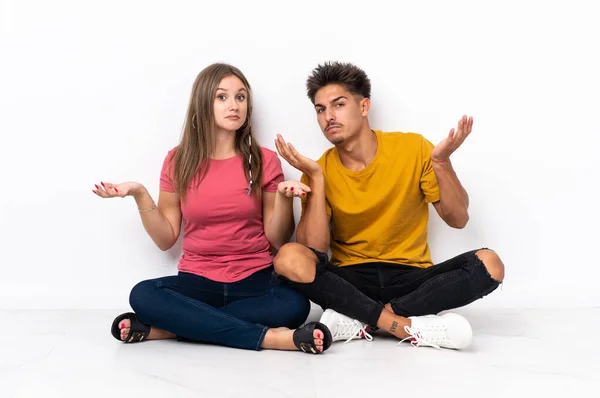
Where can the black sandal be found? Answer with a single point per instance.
(138, 331)
(304, 338)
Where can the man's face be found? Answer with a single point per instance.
(340, 113)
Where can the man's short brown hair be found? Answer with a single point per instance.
(347, 75)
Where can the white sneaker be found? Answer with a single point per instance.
(446, 331)
(343, 327)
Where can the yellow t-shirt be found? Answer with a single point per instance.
(381, 213)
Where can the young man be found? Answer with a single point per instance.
(369, 204)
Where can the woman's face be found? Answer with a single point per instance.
(231, 104)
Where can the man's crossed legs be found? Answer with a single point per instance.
(402, 300)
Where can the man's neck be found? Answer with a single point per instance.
(357, 154)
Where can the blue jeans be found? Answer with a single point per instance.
(232, 314)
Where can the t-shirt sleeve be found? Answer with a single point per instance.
(166, 174)
(304, 180)
(429, 184)
(273, 173)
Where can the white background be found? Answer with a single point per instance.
(97, 90)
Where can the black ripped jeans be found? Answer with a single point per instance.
(360, 291)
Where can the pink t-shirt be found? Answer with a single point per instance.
(224, 238)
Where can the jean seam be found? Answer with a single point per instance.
(261, 338)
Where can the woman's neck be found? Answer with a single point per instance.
(224, 145)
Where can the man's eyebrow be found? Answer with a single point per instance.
(337, 99)
(332, 101)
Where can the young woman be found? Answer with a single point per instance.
(230, 194)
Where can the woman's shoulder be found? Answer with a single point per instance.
(266, 152)
(268, 155)
(170, 153)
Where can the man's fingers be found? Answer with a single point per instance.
(277, 146)
(292, 153)
(285, 150)
(463, 131)
(280, 139)
(297, 156)
(451, 135)
(282, 144)
(285, 153)
(280, 148)
(292, 149)
(470, 125)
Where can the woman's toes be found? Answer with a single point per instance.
(318, 335)
(125, 323)
(319, 344)
(124, 326)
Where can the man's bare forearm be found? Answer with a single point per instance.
(454, 200)
(280, 228)
(313, 228)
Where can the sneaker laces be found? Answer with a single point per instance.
(424, 338)
(351, 329)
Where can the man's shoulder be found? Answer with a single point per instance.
(327, 157)
(402, 144)
(401, 137)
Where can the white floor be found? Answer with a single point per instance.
(516, 353)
